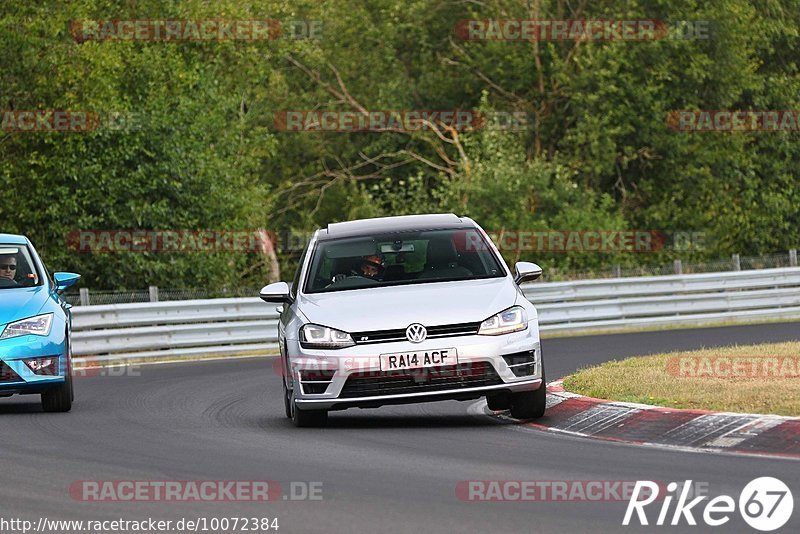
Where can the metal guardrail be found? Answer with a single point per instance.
(247, 325)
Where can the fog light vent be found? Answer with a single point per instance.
(7, 374)
(316, 381)
(521, 363)
(43, 366)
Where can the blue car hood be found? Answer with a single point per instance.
(19, 303)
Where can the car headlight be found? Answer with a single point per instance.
(314, 336)
(513, 319)
(37, 326)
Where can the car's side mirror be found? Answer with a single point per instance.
(276, 292)
(65, 280)
(527, 272)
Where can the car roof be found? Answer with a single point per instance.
(408, 223)
(13, 239)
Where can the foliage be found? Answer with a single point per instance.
(203, 151)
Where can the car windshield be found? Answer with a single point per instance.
(17, 268)
(401, 258)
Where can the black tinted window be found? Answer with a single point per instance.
(401, 258)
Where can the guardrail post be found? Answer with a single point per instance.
(616, 271)
(793, 258)
(678, 266)
(153, 294)
(84, 296)
(737, 264)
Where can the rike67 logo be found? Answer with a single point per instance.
(766, 504)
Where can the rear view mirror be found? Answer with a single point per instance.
(65, 280)
(527, 272)
(276, 292)
(397, 247)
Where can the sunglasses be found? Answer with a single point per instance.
(9, 267)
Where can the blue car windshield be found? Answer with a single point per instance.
(401, 258)
(17, 268)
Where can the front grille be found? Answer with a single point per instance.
(7, 374)
(462, 376)
(386, 336)
(314, 389)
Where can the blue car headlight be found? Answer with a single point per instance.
(36, 326)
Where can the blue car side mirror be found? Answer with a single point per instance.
(64, 280)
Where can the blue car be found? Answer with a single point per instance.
(35, 325)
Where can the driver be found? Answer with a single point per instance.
(371, 266)
(8, 267)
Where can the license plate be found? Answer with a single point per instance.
(415, 360)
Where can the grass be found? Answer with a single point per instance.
(762, 379)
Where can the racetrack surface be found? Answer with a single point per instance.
(394, 469)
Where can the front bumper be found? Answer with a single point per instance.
(21, 380)
(333, 392)
(410, 398)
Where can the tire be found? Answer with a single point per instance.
(287, 397)
(59, 399)
(530, 404)
(498, 402)
(69, 368)
(306, 418)
(310, 418)
(287, 400)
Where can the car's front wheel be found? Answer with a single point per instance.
(305, 418)
(287, 401)
(530, 404)
(310, 418)
(499, 402)
(59, 399)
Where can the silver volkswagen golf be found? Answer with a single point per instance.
(402, 310)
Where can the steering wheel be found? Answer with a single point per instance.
(347, 282)
(7, 282)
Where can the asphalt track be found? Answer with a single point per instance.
(394, 469)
